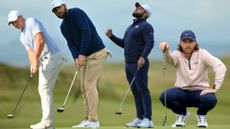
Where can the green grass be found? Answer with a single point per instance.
(112, 87)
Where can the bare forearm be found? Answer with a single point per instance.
(31, 55)
(34, 55)
(34, 62)
(39, 39)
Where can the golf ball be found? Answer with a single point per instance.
(173, 126)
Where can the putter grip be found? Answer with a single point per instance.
(164, 61)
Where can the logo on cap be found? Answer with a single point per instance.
(188, 34)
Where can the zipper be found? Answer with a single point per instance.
(189, 64)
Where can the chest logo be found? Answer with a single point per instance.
(136, 26)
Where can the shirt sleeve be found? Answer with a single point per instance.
(148, 35)
(35, 26)
(172, 57)
(72, 48)
(81, 20)
(217, 66)
(118, 41)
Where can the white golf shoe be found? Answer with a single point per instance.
(202, 121)
(181, 120)
(145, 123)
(41, 125)
(86, 124)
(134, 123)
(82, 124)
(94, 124)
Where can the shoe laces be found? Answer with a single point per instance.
(181, 119)
(201, 119)
(84, 122)
(145, 120)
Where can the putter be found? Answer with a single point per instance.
(165, 99)
(127, 91)
(165, 102)
(11, 116)
(61, 109)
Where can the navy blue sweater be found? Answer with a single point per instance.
(80, 33)
(137, 42)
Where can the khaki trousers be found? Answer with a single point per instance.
(90, 75)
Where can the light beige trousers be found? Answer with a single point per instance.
(90, 75)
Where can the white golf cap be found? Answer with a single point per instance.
(13, 16)
(146, 7)
(56, 3)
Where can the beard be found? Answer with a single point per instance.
(62, 15)
(188, 50)
(137, 15)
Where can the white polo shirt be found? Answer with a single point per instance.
(32, 27)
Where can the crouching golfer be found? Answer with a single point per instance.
(192, 87)
(138, 42)
(44, 56)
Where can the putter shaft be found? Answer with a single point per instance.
(16, 105)
(127, 91)
(165, 95)
(61, 109)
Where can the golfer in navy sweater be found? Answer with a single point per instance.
(88, 52)
(138, 42)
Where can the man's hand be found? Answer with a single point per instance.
(140, 63)
(34, 61)
(208, 90)
(81, 61)
(109, 32)
(164, 46)
(34, 67)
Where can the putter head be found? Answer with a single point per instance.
(118, 113)
(60, 109)
(10, 116)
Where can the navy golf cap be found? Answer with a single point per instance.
(188, 34)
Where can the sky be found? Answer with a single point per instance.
(209, 19)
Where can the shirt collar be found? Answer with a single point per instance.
(139, 20)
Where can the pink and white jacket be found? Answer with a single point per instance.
(192, 74)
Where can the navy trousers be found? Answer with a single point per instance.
(178, 99)
(140, 90)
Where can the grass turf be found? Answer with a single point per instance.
(111, 90)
